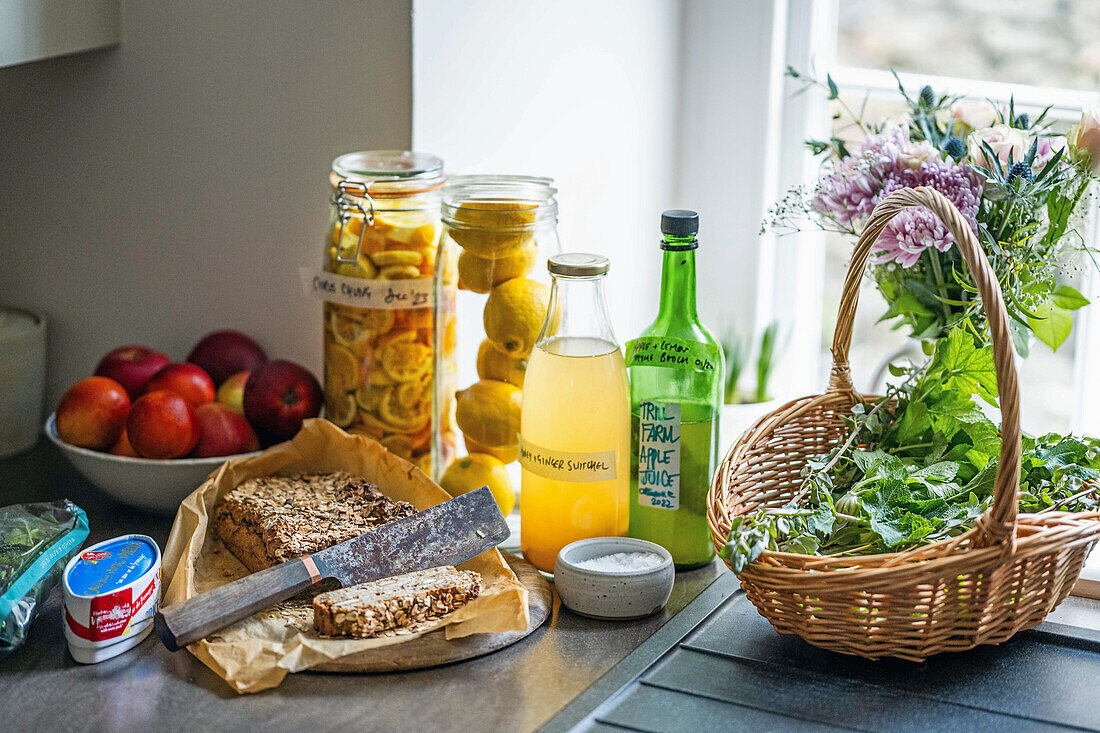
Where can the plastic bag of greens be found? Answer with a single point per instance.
(36, 542)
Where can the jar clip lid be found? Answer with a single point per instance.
(345, 207)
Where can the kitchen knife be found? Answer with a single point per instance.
(446, 534)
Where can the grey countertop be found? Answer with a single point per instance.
(148, 688)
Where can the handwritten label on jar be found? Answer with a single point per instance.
(672, 353)
(659, 455)
(566, 465)
(363, 293)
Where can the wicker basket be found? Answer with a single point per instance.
(981, 587)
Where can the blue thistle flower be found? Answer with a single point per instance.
(927, 97)
(955, 147)
(1019, 170)
(1022, 122)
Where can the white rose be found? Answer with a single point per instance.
(1004, 140)
(913, 155)
(970, 116)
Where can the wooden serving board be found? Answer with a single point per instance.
(434, 649)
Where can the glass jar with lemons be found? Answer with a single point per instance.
(501, 226)
(389, 315)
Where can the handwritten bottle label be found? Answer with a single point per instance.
(659, 455)
(363, 293)
(566, 465)
(672, 353)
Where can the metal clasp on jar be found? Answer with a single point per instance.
(346, 206)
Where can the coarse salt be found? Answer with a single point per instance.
(621, 562)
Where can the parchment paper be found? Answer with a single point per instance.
(257, 653)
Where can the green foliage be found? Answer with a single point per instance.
(918, 466)
(766, 360)
(737, 355)
(738, 351)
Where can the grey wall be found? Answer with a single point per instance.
(173, 185)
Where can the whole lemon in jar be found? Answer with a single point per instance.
(489, 412)
(514, 314)
(492, 363)
(505, 453)
(493, 229)
(476, 470)
(480, 274)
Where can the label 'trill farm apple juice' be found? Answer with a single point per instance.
(574, 433)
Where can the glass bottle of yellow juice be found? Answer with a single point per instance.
(575, 424)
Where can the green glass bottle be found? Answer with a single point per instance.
(676, 370)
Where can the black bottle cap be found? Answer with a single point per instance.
(680, 223)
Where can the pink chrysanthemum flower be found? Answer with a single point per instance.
(913, 231)
(849, 189)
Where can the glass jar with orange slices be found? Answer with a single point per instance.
(501, 226)
(389, 320)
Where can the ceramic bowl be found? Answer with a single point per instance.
(612, 595)
(155, 486)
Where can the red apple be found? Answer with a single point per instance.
(278, 397)
(231, 393)
(123, 447)
(223, 432)
(162, 425)
(224, 353)
(92, 414)
(186, 380)
(132, 367)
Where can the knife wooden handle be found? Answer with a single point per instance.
(188, 621)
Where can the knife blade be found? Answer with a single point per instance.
(448, 533)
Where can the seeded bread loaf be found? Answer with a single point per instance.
(399, 602)
(268, 520)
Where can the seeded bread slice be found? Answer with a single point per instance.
(368, 609)
(268, 520)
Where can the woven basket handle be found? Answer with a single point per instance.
(998, 523)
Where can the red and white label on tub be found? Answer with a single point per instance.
(110, 614)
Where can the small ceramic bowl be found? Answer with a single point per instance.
(610, 595)
(155, 486)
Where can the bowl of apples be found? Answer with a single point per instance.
(148, 431)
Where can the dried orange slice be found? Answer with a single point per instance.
(404, 361)
(340, 409)
(343, 370)
(411, 394)
(348, 330)
(374, 424)
(376, 375)
(369, 397)
(403, 419)
(397, 258)
(372, 433)
(378, 320)
(393, 337)
(424, 237)
(415, 318)
(398, 445)
(399, 272)
(422, 439)
(352, 226)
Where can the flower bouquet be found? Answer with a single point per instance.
(1021, 187)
